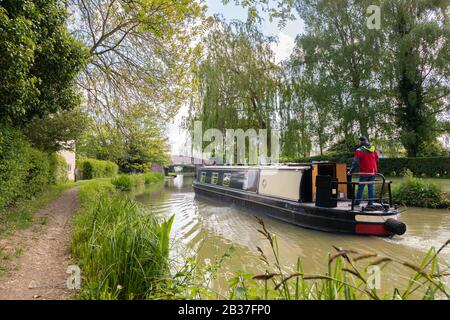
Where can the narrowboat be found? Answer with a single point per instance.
(317, 196)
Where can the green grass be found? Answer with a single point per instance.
(123, 252)
(21, 215)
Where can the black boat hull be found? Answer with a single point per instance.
(304, 215)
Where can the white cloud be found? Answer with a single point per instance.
(284, 47)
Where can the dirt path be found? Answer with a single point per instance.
(39, 269)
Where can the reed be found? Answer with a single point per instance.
(123, 252)
(345, 279)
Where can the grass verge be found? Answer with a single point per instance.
(122, 251)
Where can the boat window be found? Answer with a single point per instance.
(203, 177)
(226, 179)
(214, 178)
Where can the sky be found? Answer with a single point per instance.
(179, 138)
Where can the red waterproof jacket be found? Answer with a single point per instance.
(366, 158)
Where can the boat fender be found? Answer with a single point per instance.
(395, 226)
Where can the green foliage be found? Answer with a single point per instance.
(134, 142)
(58, 169)
(419, 37)
(39, 60)
(21, 214)
(344, 79)
(92, 168)
(433, 149)
(128, 182)
(38, 176)
(153, 177)
(416, 192)
(25, 171)
(347, 144)
(138, 75)
(420, 167)
(237, 82)
(14, 151)
(56, 131)
(122, 251)
(140, 52)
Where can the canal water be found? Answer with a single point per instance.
(207, 229)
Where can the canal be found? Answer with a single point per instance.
(207, 228)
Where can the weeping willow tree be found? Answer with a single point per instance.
(296, 119)
(237, 82)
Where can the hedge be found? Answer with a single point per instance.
(25, 171)
(58, 169)
(420, 167)
(334, 157)
(91, 168)
(13, 165)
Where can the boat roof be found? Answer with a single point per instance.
(273, 167)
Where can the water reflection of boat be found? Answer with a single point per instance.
(318, 196)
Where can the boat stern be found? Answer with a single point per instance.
(379, 224)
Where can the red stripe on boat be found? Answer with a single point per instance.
(372, 229)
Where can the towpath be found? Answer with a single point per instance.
(39, 256)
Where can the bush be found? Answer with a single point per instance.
(128, 182)
(416, 192)
(92, 168)
(153, 177)
(124, 182)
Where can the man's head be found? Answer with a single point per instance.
(363, 141)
